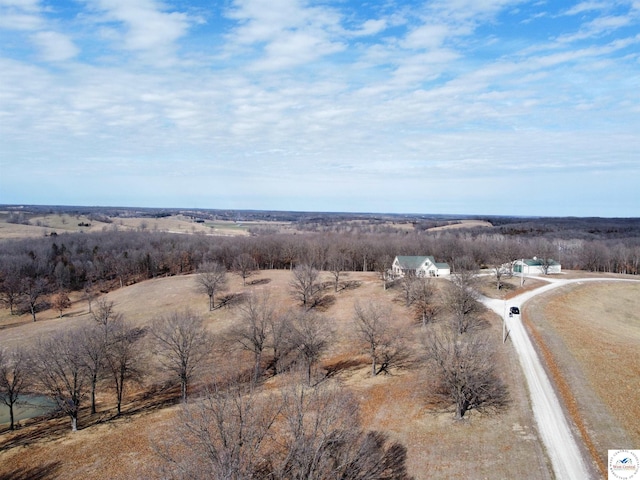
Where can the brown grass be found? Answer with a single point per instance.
(457, 224)
(484, 445)
(589, 337)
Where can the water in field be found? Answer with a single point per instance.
(28, 406)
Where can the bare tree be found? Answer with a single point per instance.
(310, 337)
(256, 315)
(221, 435)
(425, 305)
(122, 357)
(89, 295)
(10, 288)
(337, 263)
(462, 301)
(383, 268)
(465, 370)
(34, 289)
(501, 256)
(183, 344)
(371, 323)
(105, 313)
(13, 379)
(279, 328)
(60, 301)
(407, 286)
(305, 285)
(59, 368)
(91, 343)
(308, 433)
(244, 265)
(546, 251)
(321, 438)
(212, 278)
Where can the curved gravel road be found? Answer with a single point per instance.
(562, 448)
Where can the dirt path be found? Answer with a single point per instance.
(562, 448)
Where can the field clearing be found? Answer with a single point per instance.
(481, 446)
(592, 334)
(462, 224)
(42, 225)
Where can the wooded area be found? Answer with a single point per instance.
(304, 428)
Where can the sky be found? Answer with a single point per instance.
(479, 107)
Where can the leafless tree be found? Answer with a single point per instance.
(13, 378)
(313, 419)
(34, 289)
(383, 268)
(91, 344)
(308, 433)
(501, 254)
(425, 305)
(252, 332)
(59, 368)
(462, 300)
(407, 287)
(337, 264)
(212, 278)
(279, 344)
(221, 435)
(545, 253)
(244, 265)
(310, 337)
(10, 289)
(386, 348)
(122, 357)
(305, 284)
(105, 313)
(60, 301)
(89, 295)
(466, 373)
(183, 344)
(321, 438)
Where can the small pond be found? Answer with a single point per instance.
(28, 406)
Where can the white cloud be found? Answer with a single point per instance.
(55, 46)
(20, 15)
(427, 36)
(587, 7)
(20, 21)
(33, 5)
(147, 25)
(318, 95)
(371, 27)
(292, 34)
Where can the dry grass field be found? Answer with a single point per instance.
(40, 225)
(463, 224)
(484, 445)
(590, 333)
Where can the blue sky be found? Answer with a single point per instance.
(498, 107)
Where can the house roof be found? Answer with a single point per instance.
(536, 262)
(412, 262)
(408, 262)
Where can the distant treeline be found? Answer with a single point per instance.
(71, 261)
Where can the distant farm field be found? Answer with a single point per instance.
(40, 225)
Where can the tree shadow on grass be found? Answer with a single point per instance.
(39, 472)
(55, 426)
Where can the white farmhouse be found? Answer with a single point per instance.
(536, 266)
(419, 266)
